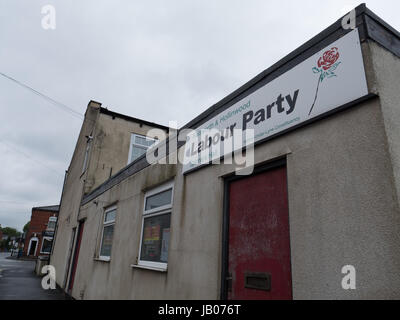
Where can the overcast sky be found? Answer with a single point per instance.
(155, 60)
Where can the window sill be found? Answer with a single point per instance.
(137, 266)
(102, 259)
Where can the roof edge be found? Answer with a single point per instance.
(54, 208)
(328, 35)
(132, 119)
(314, 41)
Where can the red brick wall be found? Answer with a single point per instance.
(38, 224)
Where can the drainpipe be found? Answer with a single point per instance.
(58, 217)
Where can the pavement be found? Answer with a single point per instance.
(18, 281)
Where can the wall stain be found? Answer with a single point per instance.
(183, 203)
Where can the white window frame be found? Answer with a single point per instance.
(107, 224)
(52, 219)
(161, 266)
(133, 143)
(41, 247)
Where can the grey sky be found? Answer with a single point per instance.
(155, 60)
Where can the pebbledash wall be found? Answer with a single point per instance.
(343, 178)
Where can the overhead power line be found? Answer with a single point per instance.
(64, 107)
(56, 103)
(16, 202)
(29, 157)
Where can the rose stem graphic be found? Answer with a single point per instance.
(316, 95)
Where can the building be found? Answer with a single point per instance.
(107, 143)
(40, 234)
(322, 202)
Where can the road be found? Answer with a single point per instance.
(19, 282)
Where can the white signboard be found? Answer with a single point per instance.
(330, 78)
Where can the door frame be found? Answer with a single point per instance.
(33, 239)
(75, 258)
(70, 252)
(260, 168)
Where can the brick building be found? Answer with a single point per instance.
(39, 237)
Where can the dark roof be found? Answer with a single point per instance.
(55, 208)
(370, 26)
(132, 119)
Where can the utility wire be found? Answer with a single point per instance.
(16, 202)
(29, 157)
(54, 102)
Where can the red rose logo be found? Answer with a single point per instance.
(328, 59)
(327, 64)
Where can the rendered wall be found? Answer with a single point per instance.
(343, 210)
(71, 199)
(110, 149)
(386, 67)
(108, 154)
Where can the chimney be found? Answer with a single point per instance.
(94, 104)
(92, 109)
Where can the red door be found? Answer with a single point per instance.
(259, 245)
(76, 256)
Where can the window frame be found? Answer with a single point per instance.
(166, 209)
(52, 219)
(133, 143)
(33, 239)
(105, 224)
(41, 247)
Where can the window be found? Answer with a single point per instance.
(51, 225)
(139, 146)
(107, 234)
(46, 245)
(156, 224)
